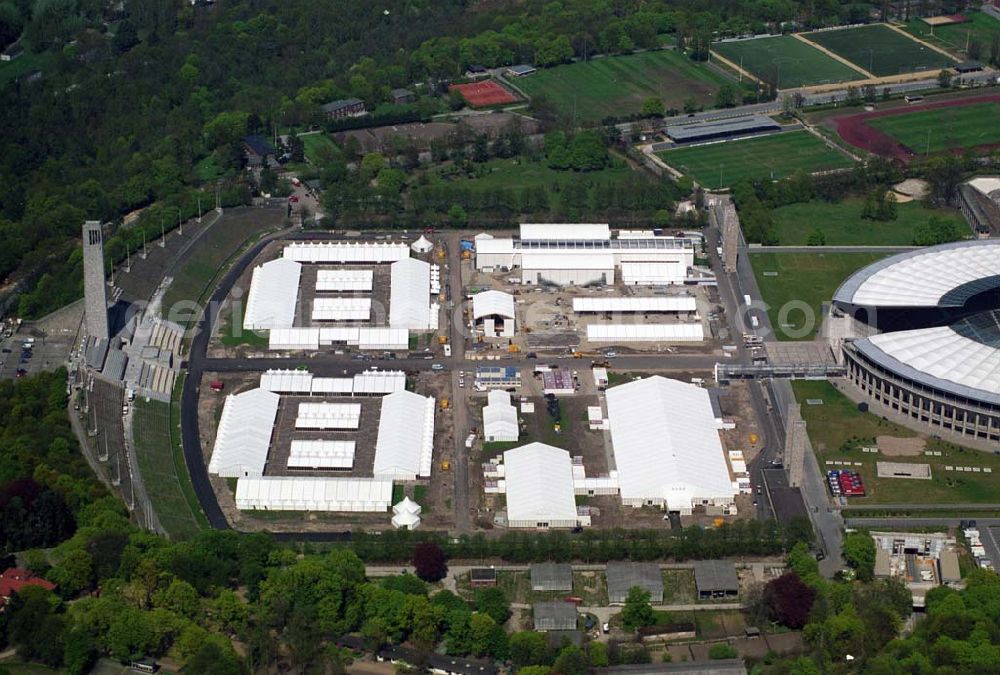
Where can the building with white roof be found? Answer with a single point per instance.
(345, 252)
(303, 383)
(927, 327)
(344, 280)
(493, 313)
(499, 418)
(667, 445)
(409, 296)
(422, 245)
(328, 416)
(580, 254)
(539, 486)
(362, 337)
(274, 289)
(406, 514)
(342, 309)
(405, 445)
(645, 332)
(321, 453)
(243, 438)
(658, 304)
(292, 493)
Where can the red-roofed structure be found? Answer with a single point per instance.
(14, 579)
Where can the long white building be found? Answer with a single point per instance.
(274, 289)
(499, 418)
(580, 254)
(667, 445)
(405, 445)
(410, 296)
(244, 434)
(539, 485)
(284, 493)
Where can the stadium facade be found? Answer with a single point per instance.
(926, 327)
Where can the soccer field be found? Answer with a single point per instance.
(880, 50)
(788, 61)
(943, 128)
(617, 85)
(980, 28)
(774, 156)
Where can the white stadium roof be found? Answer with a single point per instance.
(346, 252)
(344, 280)
(666, 443)
(489, 303)
(284, 493)
(341, 309)
(674, 303)
(646, 332)
(940, 276)
(539, 485)
(321, 453)
(244, 435)
(576, 231)
(499, 417)
(409, 295)
(328, 416)
(405, 445)
(274, 288)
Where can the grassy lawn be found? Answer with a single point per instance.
(319, 148)
(943, 128)
(498, 174)
(592, 587)
(838, 420)
(28, 62)
(162, 465)
(679, 587)
(880, 50)
(804, 277)
(787, 60)
(232, 333)
(842, 224)
(980, 28)
(617, 85)
(775, 156)
(207, 169)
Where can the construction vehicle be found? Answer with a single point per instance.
(718, 522)
(466, 255)
(513, 348)
(444, 404)
(440, 254)
(577, 355)
(753, 439)
(445, 465)
(442, 339)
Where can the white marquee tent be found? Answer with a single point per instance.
(409, 295)
(244, 436)
(344, 280)
(499, 418)
(284, 493)
(646, 332)
(539, 485)
(346, 252)
(405, 445)
(274, 288)
(321, 453)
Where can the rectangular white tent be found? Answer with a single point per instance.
(332, 386)
(405, 445)
(409, 295)
(346, 252)
(274, 288)
(328, 416)
(565, 231)
(341, 309)
(306, 339)
(287, 381)
(291, 493)
(377, 382)
(659, 273)
(567, 268)
(499, 418)
(244, 434)
(321, 453)
(675, 303)
(346, 280)
(667, 445)
(539, 485)
(646, 332)
(311, 339)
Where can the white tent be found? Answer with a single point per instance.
(328, 416)
(244, 436)
(667, 446)
(645, 332)
(409, 295)
(422, 245)
(405, 444)
(406, 514)
(284, 493)
(492, 303)
(499, 418)
(346, 252)
(344, 280)
(342, 309)
(539, 485)
(274, 288)
(673, 303)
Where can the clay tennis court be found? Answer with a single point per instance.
(855, 128)
(482, 94)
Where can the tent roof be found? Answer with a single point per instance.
(274, 288)
(489, 303)
(539, 482)
(405, 443)
(244, 436)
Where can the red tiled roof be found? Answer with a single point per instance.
(14, 579)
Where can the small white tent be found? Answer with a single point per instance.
(406, 514)
(422, 245)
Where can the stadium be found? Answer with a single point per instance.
(926, 327)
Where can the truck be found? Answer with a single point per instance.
(754, 322)
(447, 350)
(747, 300)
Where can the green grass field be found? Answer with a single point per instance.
(880, 50)
(319, 148)
(838, 420)
(800, 64)
(617, 85)
(25, 64)
(842, 225)
(944, 128)
(980, 28)
(802, 277)
(775, 156)
(163, 470)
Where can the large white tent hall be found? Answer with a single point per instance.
(405, 444)
(283, 493)
(539, 486)
(342, 252)
(244, 434)
(274, 288)
(321, 453)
